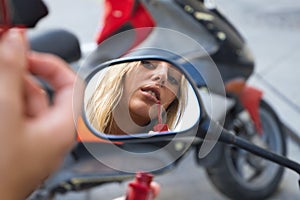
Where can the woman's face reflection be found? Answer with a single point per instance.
(147, 85)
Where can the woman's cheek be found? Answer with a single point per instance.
(171, 95)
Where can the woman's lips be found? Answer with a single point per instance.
(152, 93)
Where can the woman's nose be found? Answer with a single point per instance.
(160, 75)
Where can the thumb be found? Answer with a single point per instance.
(12, 69)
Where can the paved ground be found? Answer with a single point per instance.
(272, 30)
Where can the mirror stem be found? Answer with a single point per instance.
(229, 138)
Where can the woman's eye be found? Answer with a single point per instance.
(173, 80)
(148, 64)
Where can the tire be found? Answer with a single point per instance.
(230, 176)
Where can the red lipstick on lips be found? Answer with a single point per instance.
(152, 92)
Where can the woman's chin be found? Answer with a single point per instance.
(143, 112)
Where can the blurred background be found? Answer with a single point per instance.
(272, 30)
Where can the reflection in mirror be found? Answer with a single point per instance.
(145, 96)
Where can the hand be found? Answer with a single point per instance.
(34, 135)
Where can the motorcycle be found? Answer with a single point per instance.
(105, 156)
(247, 114)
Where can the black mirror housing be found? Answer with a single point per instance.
(192, 116)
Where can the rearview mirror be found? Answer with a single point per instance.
(140, 98)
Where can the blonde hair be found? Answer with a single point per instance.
(109, 91)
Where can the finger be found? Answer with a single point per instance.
(12, 67)
(58, 74)
(36, 99)
(60, 115)
(156, 188)
(120, 198)
(62, 79)
(52, 69)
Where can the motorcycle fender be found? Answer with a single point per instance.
(118, 14)
(250, 98)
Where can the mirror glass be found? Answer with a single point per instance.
(140, 97)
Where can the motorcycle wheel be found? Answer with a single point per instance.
(242, 175)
